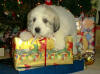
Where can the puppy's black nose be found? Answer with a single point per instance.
(37, 30)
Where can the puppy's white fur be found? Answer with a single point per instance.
(60, 23)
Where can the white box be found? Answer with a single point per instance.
(97, 37)
(1, 51)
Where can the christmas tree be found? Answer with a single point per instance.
(14, 12)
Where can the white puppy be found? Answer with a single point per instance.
(51, 20)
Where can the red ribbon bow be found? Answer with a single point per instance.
(45, 47)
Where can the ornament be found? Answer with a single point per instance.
(60, 0)
(38, 3)
(6, 12)
(20, 2)
(13, 14)
(48, 2)
(18, 15)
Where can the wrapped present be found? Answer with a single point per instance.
(1, 51)
(41, 52)
(97, 42)
(88, 31)
(85, 39)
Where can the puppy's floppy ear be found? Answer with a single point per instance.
(29, 21)
(56, 24)
(28, 18)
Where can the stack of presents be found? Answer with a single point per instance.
(39, 56)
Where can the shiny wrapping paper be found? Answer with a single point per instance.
(41, 52)
(86, 40)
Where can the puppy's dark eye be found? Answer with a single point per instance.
(34, 19)
(45, 20)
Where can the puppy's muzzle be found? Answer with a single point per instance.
(37, 30)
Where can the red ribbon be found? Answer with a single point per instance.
(45, 46)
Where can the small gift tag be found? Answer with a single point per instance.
(1, 51)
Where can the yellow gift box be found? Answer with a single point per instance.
(41, 52)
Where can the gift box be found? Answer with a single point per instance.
(85, 39)
(85, 33)
(41, 52)
(1, 51)
(97, 43)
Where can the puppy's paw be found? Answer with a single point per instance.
(25, 35)
(59, 46)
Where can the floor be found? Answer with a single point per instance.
(95, 68)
